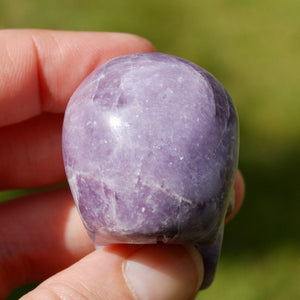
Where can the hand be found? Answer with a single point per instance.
(41, 235)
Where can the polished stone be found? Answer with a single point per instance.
(150, 144)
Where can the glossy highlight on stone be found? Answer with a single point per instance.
(150, 146)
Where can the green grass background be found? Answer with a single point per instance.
(253, 48)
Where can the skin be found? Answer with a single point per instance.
(41, 235)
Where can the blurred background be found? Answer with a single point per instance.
(253, 48)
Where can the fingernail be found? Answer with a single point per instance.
(164, 272)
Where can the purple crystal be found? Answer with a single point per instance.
(150, 145)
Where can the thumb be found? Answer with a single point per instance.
(145, 272)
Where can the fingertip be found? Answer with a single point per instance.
(164, 272)
(133, 43)
(239, 190)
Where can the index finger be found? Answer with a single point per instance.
(40, 69)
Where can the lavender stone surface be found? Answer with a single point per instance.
(150, 145)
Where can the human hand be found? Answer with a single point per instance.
(41, 235)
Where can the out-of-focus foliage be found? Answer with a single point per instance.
(253, 48)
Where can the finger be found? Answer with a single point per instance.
(39, 236)
(40, 69)
(239, 190)
(31, 153)
(158, 272)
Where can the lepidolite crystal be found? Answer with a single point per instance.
(150, 145)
